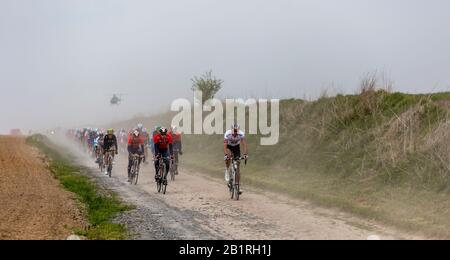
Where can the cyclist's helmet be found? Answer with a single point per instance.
(110, 131)
(140, 126)
(235, 128)
(158, 127)
(136, 133)
(163, 131)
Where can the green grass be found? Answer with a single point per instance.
(100, 206)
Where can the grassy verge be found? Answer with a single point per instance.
(100, 205)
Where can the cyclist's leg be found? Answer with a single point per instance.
(227, 165)
(141, 160)
(175, 161)
(237, 154)
(230, 152)
(156, 168)
(130, 161)
(166, 156)
(238, 172)
(113, 154)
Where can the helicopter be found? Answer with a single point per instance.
(116, 99)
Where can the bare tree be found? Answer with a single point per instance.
(207, 84)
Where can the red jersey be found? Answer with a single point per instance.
(162, 141)
(135, 142)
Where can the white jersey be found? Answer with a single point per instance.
(231, 140)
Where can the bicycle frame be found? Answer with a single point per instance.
(161, 182)
(235, 182)
(136, 160)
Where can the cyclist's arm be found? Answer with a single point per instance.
(245, 146)
(170, 145)
(115, 144)
(142, 144)
(152, 146)
(225, 147)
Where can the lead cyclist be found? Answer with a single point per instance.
(232, 149)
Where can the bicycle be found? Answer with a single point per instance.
(100, 161)
(234, 185)
(161, 178)
(109, 161)
(174, 166)
(135, 167)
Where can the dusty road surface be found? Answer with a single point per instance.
(198, 207)
(33, 205)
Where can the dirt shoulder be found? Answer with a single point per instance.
(33, 205)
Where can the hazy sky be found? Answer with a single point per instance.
(61, 60)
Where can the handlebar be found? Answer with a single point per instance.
(159, 158)
(235, 159)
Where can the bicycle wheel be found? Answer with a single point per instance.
(101, 164)
(160, 179)
(237, 184)
(158, 185)
(164, 187)
(133, 171)
(232, 184)
(109, 165)
(176, 164)
(136, 173)
(236, 191)
(172, 172)
(164, 179)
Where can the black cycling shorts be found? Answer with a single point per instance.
(235, 150)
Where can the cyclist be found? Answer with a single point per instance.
(163, 148)
(123, 139)
(177, 147)
(232, 149)
(135, 146)
(146, 138)
(140, 128)
(98, 145)
(155, 133)
(91, 137)
(109, 145)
